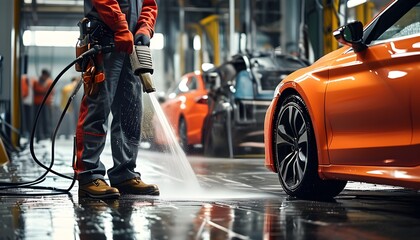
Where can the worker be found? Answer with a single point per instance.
(130, 22)
(40, 89)
(70, 120)
(27, 105)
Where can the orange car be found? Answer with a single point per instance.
(354, 114)
(185, 108)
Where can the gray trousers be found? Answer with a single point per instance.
(120, 94)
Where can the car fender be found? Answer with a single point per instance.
(307, 85)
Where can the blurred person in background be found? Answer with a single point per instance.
(68, 126)
(27, 105)
(43, 129)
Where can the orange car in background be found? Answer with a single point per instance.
(185, 108)
(354, 115)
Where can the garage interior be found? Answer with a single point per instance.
(237, 198)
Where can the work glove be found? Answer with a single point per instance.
(142, 40)
(123, 41)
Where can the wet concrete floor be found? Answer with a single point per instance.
(238, 199)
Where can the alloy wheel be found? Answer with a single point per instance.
(292, 145)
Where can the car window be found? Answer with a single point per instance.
(401, 19)
(409, 24)
(182, 86)
(192, 84)
(186, 85)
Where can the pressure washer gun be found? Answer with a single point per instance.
(82, 44)
(141, 62)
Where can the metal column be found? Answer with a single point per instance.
(231, 27)
(291, 12)
(6, 49)
(9, 90)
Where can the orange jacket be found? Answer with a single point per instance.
(24, 82)
(40, 90)
(119, 14)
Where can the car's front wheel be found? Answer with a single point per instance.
(296, 153)
(183, 136)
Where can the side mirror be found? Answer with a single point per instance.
(351, 35)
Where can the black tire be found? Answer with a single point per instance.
(215, 143)
(213, 148)
(206, 140)
(183, 137)
(208, 149)
(296, 153)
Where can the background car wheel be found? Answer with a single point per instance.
(214, 148)
(208, 149)
(183, 137)
(296, 153)
(206, 140)
(214, 139)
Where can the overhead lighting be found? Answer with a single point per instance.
(354, 3)
(50, 38)
(68, 38)
(56, 2)
(197, 42)
(157, 42)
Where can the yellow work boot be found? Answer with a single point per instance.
(138, 187)
(98, 188)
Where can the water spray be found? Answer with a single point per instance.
(141, 63)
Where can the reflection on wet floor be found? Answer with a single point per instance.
(238, 199)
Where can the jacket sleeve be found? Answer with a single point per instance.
(146, 22)
(110, 12)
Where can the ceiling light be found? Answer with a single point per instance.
(50, 38)
(157, 42)
(68, 38)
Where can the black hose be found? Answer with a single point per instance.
(31, 184)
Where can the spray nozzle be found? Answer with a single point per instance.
(141, 63)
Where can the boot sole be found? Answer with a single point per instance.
(99, 196)
(150, 193)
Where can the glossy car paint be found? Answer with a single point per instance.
(190, 105)
(364, 111)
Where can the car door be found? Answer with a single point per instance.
(196, 108)
(370, 97)
(172, 106)
(415, 107)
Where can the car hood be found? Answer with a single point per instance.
(330, 57)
